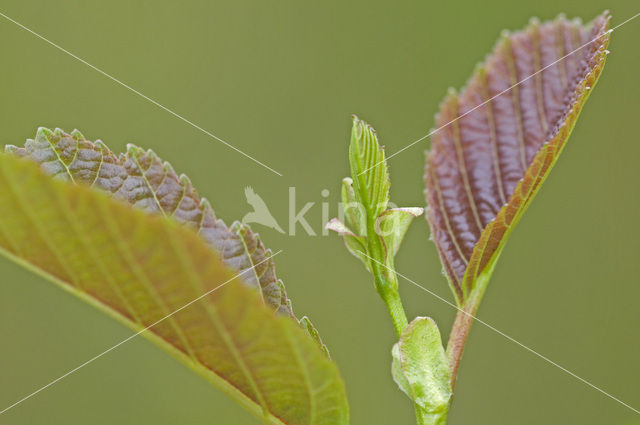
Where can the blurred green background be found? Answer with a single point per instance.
(280, 80)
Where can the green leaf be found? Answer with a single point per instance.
(421, 370)
(313, 333)
(498, 139)
(392, 226)
(143, 180)
(368, 169)
(354, 212)
(139, 268)
(356, 245)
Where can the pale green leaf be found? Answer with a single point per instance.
(357, 245)
(354, 212)
(420, 367)
(392, 226)
(313, 333)
(140, 268)
(368, 169)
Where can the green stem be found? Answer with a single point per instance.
(425, 418)
(389, 293)
(386, 280)
(394, 304)
(386, 283)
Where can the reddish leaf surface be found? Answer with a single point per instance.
(142, 179)
(486, 166)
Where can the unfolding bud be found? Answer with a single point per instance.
(421, 370)
(371, 232)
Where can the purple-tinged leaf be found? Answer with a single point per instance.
(501, 135)
(143, 180)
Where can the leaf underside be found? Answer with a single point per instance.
(139, 268)
(144, 181)
(487, 162)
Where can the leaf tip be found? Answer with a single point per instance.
(359, 129)
(100, 146)
(77, 135)
(151, 154)
(185, 180)
(206, 205)
(534, 22)
(43, 134)
(481, 68)
(11, 149)
(337, 226)
(133, 150)
(311, 330)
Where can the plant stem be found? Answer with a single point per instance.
(386, 280)
(457, 340)
(389, 293)
(386, 283)
(460, 331)
(425, 418)
(396, 310)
